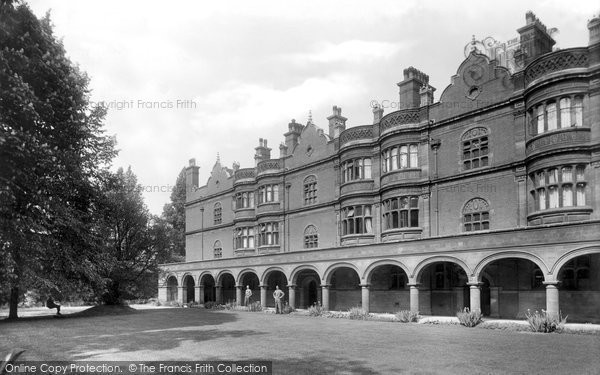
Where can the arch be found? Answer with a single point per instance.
(203, 275)
(428, 261)
(219, 278)
(474, 132)
(506, 255)
(187, 274)
(263, 276)
(172, 288)
(189, 284)
(310, 178)
(305, 267)
(384, 262)
(243, 272)
(166, 279)
(329, 271)
(565, 258)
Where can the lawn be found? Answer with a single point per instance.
(299, 344)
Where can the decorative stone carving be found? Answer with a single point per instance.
(244, 173)
(268, 165)
(356, 133)
(476, 205)
(474, 133)
(567, 59)
(569, 136)
(407, 116)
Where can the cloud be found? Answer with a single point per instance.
(351, 51)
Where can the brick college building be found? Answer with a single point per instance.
(488, 198)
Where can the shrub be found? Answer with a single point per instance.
(255, 306)
(316, 310)
(287, 309)
(407, 316)
(211, 305)
(544, 322)
(357, 313)
(469, 318)
(231, 305)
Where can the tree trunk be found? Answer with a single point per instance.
(113, 295)
(14, 302)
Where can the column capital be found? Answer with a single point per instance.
(475, 284)
(291, 285)
(218, 286)
(239, 286)
(414, 285)
(364, 285)
(550, 283)
(263, 286)
(327, 286)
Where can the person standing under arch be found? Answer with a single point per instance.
(278, 295)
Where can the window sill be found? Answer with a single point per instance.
(559, 215)
(356, 239)
(409, 233)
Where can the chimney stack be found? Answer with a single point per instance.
(377, 114)
(410, 88)
(594, 44)
(191, 176)
(292, 136)
(337, 122)
(535, 40)
(262, 151)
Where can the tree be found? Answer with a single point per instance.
(53, 154)
(174, 217)
(135, 241)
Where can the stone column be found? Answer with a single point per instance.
(181, 291)
(201, 293)
(238, 294)
(219, 294)
(292, 295)
(552, 305)
(475, 296)
(325, 294)
(162, 294)
(197, 294)
(494, 302)
(365, 297)
(263, 296)
(414, 297)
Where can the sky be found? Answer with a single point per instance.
(190, 79)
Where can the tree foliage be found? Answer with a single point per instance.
(135, 241)
(174, 217)
(53, 155)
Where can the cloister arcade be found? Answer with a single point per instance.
(501, 285)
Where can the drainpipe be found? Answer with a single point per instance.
(202, 234)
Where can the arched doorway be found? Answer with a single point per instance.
(308, 283)
(444, 290)
(345, 290)
(209, 288)
(273, 279)
(188, 281)
(172, 288)
(227, 288)
(389, 291)
(515, 286)
(579, 289)
(250, 279)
